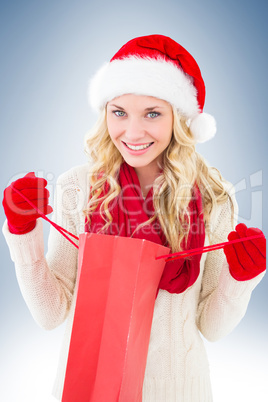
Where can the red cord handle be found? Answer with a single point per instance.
(57, 227)
(194, 251)
(169, 257)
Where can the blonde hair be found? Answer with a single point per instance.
(182, 168)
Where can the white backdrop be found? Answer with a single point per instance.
(49, 50)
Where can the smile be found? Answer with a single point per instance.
(138, 147)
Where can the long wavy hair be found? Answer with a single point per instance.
(182, 168)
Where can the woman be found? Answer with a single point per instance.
(145, 180)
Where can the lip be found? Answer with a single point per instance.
(140, 152)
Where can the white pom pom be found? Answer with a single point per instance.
(203, 127)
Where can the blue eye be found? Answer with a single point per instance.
(153, 115)
(119, 113)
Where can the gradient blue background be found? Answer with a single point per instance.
(49, 49)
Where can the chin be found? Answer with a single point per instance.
(136, 164)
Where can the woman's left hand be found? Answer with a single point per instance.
(246, 259)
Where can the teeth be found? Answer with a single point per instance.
(138, 147)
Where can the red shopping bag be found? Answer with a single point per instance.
(118, 280)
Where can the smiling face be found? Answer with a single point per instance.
(141, 129)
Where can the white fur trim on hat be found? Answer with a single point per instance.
(144, 76)
(151, 77)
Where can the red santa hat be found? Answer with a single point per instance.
(156, 65)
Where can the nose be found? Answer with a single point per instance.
(134, 130)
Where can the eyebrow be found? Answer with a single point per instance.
(152, 108)
(118, 107)
(148, 109)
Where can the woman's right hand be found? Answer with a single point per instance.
(21, 217)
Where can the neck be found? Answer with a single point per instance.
(147, 176)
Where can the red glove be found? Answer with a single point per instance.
(21, 217)
(246, 259)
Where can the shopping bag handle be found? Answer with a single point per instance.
(168, 257)
(55, 225)
(194, 251)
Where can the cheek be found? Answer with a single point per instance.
(114, 136)
(111, 129)
(167, 129)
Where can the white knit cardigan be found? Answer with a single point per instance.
(177, 367)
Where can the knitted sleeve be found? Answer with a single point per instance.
(47, 282)
(223, 300)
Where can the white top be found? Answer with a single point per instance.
(177, 367)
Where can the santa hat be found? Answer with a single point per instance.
(156, 65)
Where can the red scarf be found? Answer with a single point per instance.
(129, 210)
